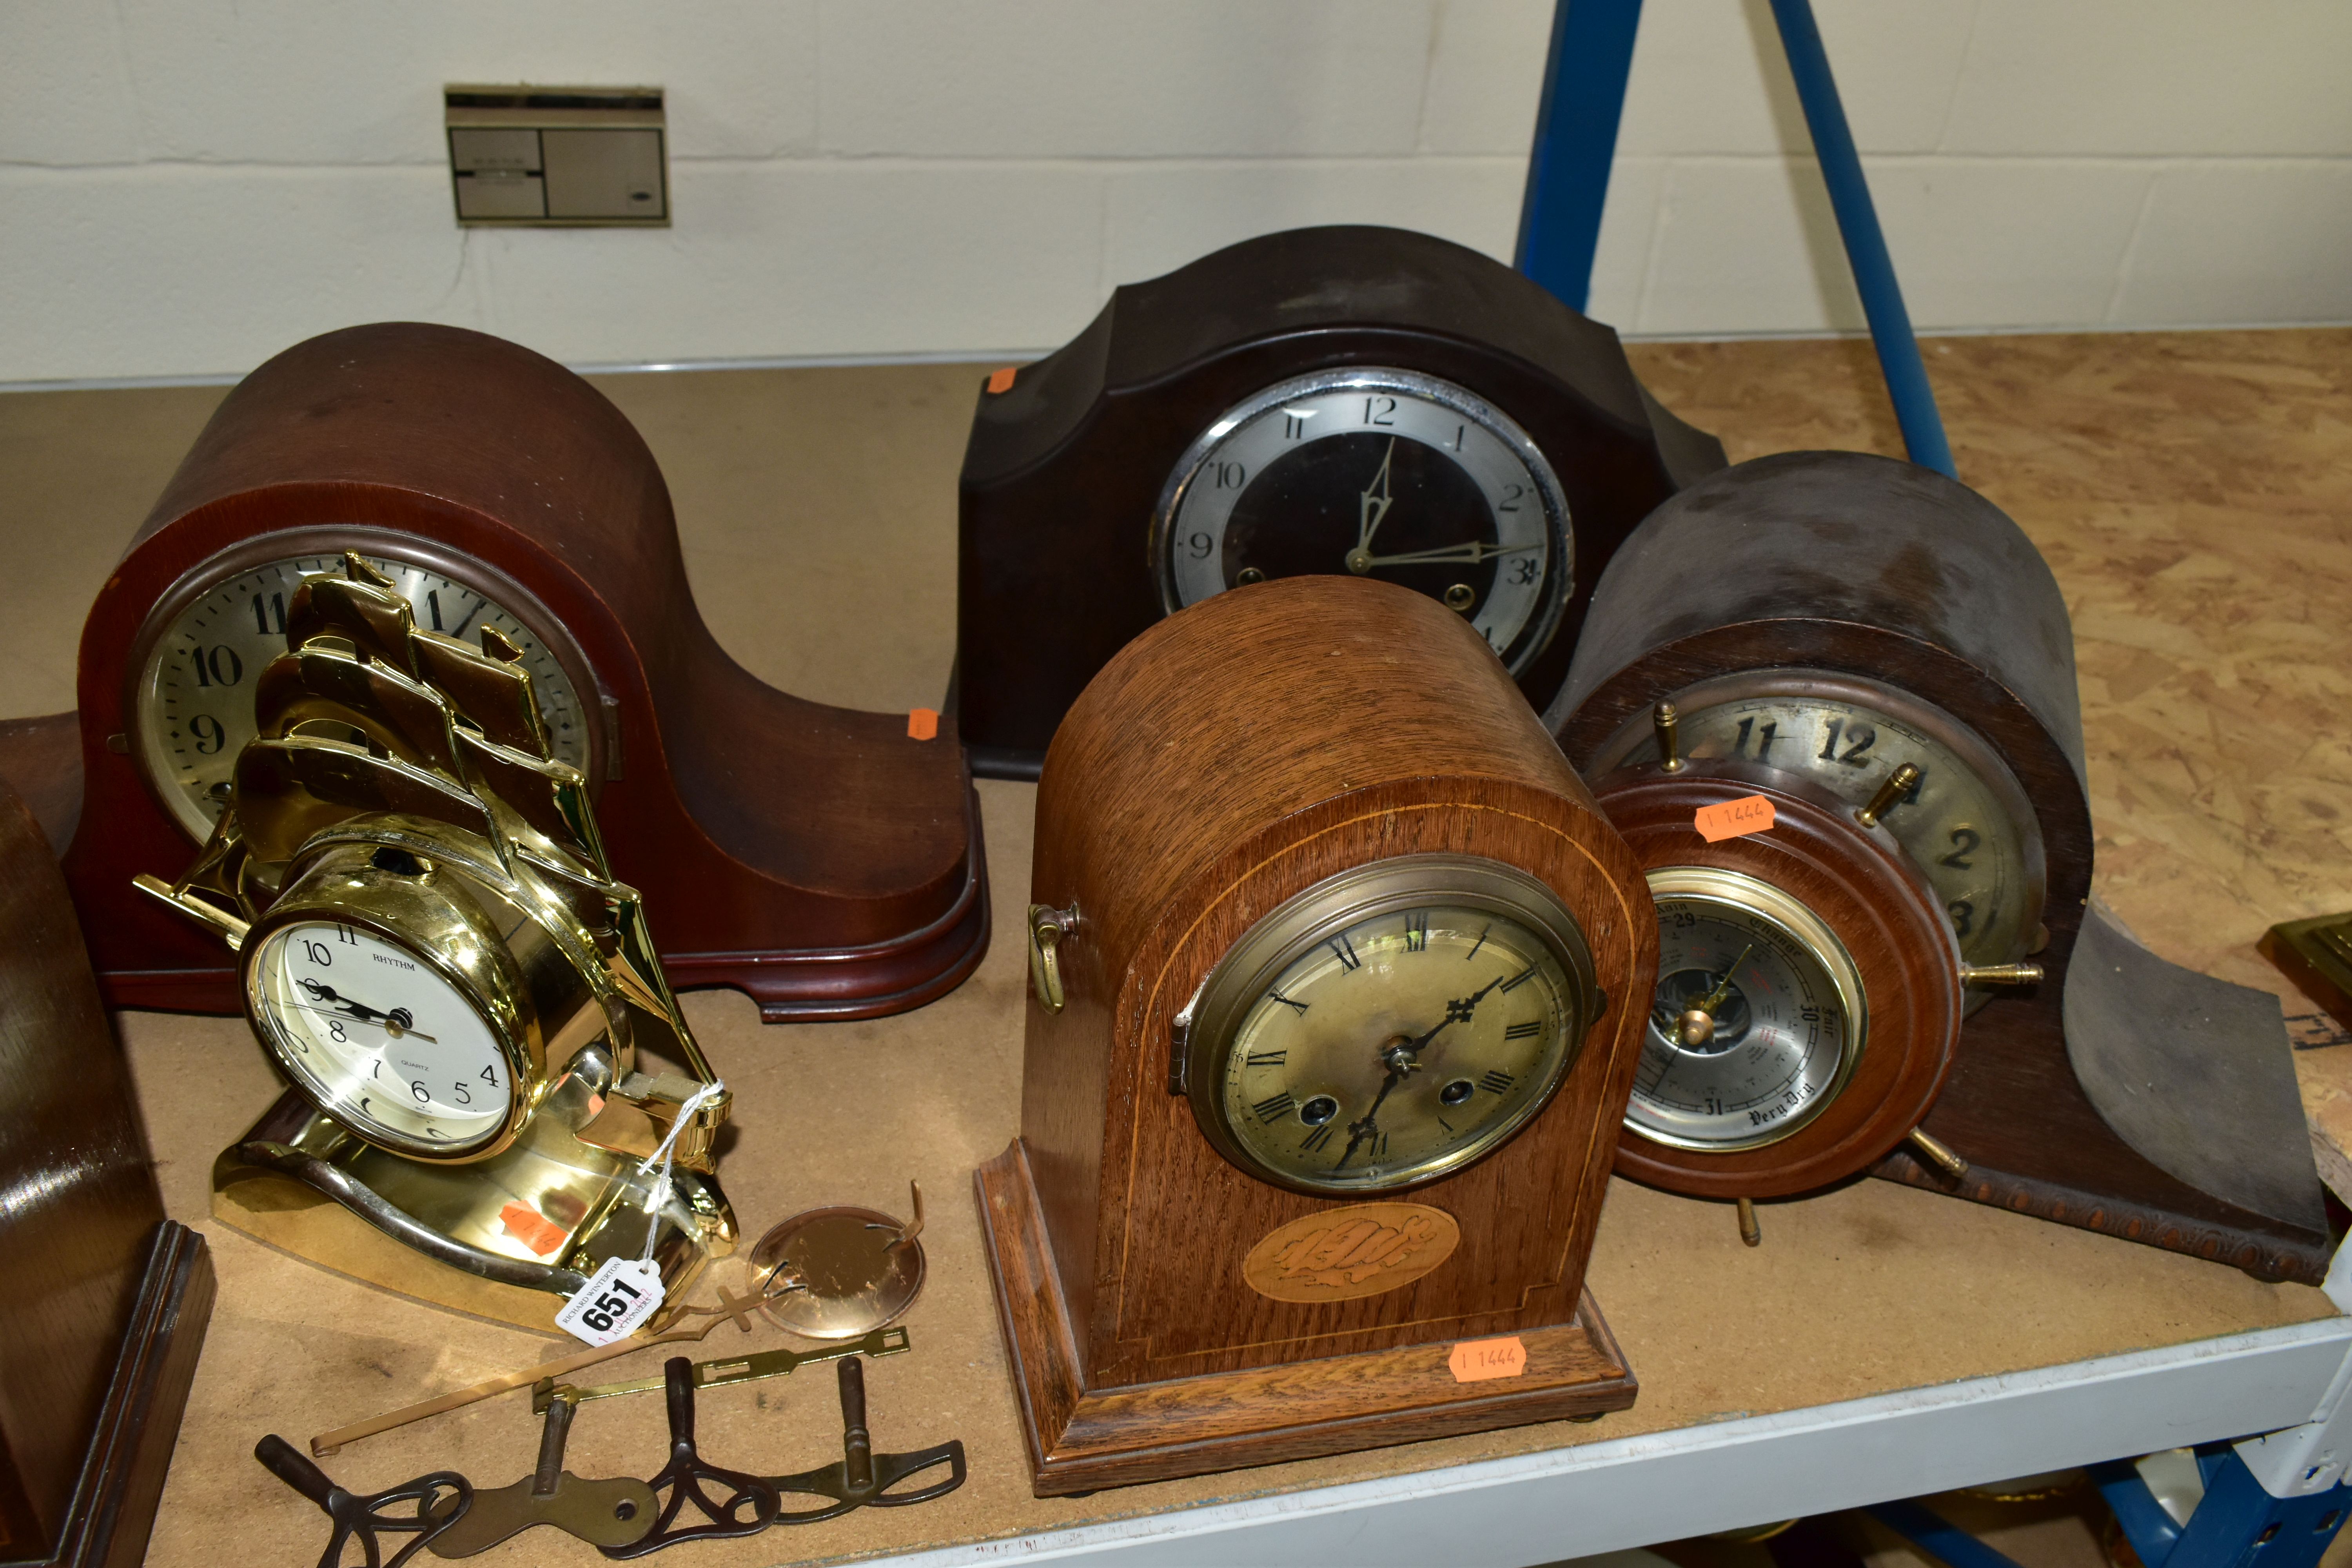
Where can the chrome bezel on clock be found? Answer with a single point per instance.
(326, 542)
(1536, 632)
(1308, 919)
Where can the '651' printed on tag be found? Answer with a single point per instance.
(621, 1295)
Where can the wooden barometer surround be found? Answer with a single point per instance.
(819, 858)
(1243, 755)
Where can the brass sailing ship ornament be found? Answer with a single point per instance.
(433, 948)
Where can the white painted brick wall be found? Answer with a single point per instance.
(188, 185)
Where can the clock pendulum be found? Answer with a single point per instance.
(1345, 401)
(433, 948)
(1330, 1034)
(496, 491)
(1903, 972)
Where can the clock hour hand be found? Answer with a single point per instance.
(396, 1023)
(1458, 1012)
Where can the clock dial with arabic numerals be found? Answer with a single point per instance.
(379, 1038)
(1965, 823)
(1381, 473)
(196, 689)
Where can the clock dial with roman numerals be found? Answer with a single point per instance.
(1386, 1046)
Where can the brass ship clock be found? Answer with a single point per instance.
(1903, 972)
(432, 947)
(1335, 982)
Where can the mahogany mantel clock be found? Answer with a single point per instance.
(821, 860)
(1336, 1003)
(1349, 401)
(1902, 971)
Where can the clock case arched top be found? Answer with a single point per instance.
(1067, 459)
(817, 857)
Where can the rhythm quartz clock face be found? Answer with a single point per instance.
(379, 1038)
(1758, 1017)
(1383, 1046)
(196, 685)
(1966, 824)
(1381, 473)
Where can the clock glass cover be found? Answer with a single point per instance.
(195, 695)
(1390, 1026)
(1384, 473)
(380, 1038)
(1758, 1017)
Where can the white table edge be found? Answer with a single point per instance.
(1661, 1486)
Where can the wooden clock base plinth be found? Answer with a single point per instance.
(1081, 1438)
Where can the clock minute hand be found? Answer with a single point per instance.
(1468, 553)
(1371, 511)
(1402, 1058)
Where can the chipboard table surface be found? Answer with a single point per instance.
(2193, 494)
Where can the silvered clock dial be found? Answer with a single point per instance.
(1391, 1024)
(208, 641)
(1374, 472)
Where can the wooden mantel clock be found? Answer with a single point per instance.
(1903, 972)
(1336, 976)
(1355, 401)
(822, 860)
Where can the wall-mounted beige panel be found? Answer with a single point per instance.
(558, 155)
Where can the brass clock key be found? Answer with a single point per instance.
(616, 1512)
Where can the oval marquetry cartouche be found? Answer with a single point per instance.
(1339, 1255)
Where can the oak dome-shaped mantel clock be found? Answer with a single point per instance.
(1348, 401)
(1336, 974)
(1903, 972)
(818, 858)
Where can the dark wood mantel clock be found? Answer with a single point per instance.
(1336, 976)
(108, 1299)
(1349, 401)
(821, 860)
(1904, 972)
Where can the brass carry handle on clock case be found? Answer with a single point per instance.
(1047, 927)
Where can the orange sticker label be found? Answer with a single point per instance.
(530, 1228)
(923, 724)
(1002, 380)
(1730, 818)
(1475, 1361)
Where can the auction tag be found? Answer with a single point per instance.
(1731, 819)
(1475, 1361)
(621, 1295)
